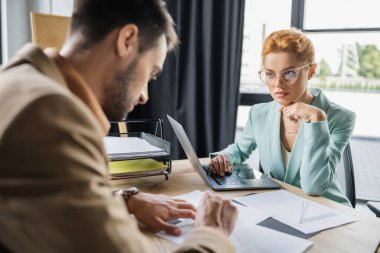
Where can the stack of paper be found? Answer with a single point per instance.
(121, 148)
(247, 236)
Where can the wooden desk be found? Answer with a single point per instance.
(361, 236)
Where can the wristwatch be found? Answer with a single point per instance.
(126, 193)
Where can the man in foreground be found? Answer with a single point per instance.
(54, 189)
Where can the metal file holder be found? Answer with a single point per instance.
(156, 139)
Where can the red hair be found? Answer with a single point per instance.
(291, 41)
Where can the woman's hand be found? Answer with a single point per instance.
(299, 111)
(220, 165)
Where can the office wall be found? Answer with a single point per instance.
(15, 21)
(63, 8)
(14, 25)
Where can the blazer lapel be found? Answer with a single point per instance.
(320, 100)
(295, 159)
(274, 141)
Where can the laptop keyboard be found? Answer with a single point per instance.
(232, 179)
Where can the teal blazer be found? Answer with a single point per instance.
(316, 152)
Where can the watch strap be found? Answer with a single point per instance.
(126, 193)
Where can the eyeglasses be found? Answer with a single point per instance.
(288, 76)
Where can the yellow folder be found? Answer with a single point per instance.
(125, 167)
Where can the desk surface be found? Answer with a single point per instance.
(361, 236)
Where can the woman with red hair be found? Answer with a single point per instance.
(301, 134)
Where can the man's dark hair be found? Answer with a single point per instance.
(95, 19)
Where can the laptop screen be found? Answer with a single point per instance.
(188, 148)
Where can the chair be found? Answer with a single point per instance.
(346, 175)
(49, 30)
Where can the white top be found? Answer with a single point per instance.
(285, 156)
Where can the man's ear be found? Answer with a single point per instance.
(313, 67)
(127, 40)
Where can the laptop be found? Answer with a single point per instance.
(241, 178)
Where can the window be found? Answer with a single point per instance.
(349, 72)
(352, 14)
(260, 19)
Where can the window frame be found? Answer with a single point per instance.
(1, 38)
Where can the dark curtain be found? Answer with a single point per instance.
(199, 86)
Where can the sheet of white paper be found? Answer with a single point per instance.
(128, 145)
(247, 236)
(249, 215)
(254, 238)
(193, 197)
(300, 213)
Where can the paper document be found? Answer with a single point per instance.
(128, 146)
(300, 213)
(254, 238)
(118, 168)
(247, 236)
(193, 197)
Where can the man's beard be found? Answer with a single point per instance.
(116, 94)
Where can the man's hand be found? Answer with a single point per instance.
(154, 210)
(216, 212)
(220, 165)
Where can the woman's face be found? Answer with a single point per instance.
(287, 83)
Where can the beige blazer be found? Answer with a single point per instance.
(54, 189)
